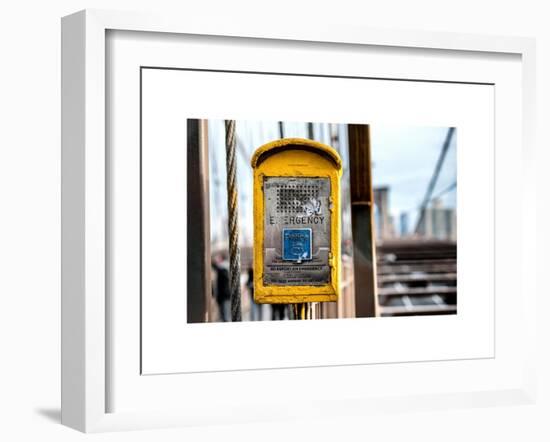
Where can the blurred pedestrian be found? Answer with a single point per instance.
(278, 312)
(223, 292)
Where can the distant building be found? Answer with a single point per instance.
(404, 224)
(438, 222)
(383, 220)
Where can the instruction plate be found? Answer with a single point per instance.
(296, 245)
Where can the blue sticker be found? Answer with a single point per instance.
(296, 244)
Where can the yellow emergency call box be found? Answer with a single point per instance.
(296, 222)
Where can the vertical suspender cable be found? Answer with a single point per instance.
(433, 180)
(310, 131)
(233, 221)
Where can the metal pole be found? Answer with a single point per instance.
(199, 289)
(233, 221)
(362, 222)
(303, 310)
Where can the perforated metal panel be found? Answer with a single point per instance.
(291, 198)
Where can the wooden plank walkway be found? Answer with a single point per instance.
(417, 278)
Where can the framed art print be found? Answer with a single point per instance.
(319, 216)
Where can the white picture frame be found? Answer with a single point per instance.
(86, 355)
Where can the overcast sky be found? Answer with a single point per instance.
(403, 158)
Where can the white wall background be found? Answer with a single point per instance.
(30, 216)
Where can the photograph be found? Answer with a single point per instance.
(322, 220)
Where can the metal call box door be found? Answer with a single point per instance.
(296, 222)
(296, 231)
